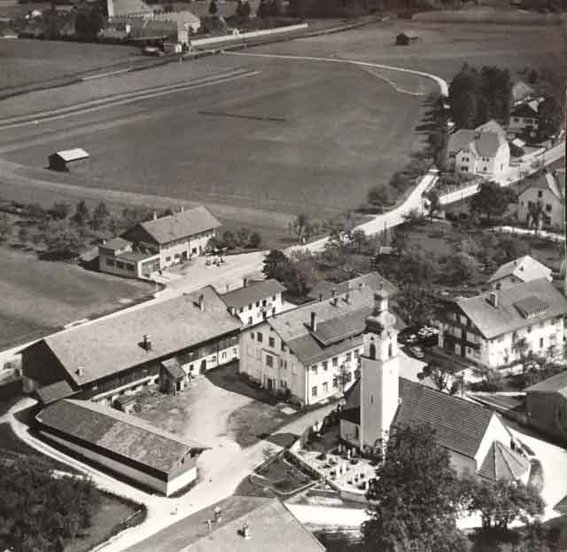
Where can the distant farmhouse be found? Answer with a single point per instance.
(486, 329)
(524, 269)
(121, 353)
(239, 524)
(255, 301)
(125, 444)
(311, 352)
(159, 243)
(546, 405)
(61, 160)
(482, 151)
(524, 118)
(541, 203)
(477, 440)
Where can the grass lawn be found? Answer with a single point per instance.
(41, 296)
(251, 423)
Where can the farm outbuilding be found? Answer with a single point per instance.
(60, 160)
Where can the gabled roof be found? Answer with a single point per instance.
(342, 322)
(173, 369)
(526, 109)
(54, 392)
(510, 314)
(524, 268)
(484, 140)
(254, 291)
(173, 227)
(72, 154)
(461, 139)
(110, 345)
(372, 279)
(459, 425)
(115, 431)
(271, 525)
(552, 181)
(557, 383)
(502, 462)
(115, 243)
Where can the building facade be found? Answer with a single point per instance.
(495, 329)
(524, 119)
(118, 257)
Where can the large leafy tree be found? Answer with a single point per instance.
(491, 201)
(415, 497)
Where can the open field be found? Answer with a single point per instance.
(41, 296)
(30, 61)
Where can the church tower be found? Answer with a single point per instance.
(379, 378)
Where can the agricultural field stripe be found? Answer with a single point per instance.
(121, 99)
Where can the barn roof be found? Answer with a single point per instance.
(74, 154)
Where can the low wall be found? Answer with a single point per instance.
(242, 37)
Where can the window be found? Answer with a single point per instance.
(259, 337)
(325, 387)
(541, 342)
(167, 259)
(356, 353)
(270, 361)
(547, 207)
(314, 369)
(314, 391)
(257, 303)
(241, 310)
(273, 297)
(130, 267)
(252, 335)
(271, 342)
(284, 347)
(250, 306)
(109, 262)
(335, 362)
(539, 193)
(283, 384)
(250, 320)
(119, 264)
(223, 356)
(335, 382)
(348, 357)
(325, 365)
(264, 303)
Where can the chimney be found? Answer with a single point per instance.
(313, 324)
(493, 299)
(333, 292)
(79, 371)
(147, 342)
(245, 531)
(201, 302)
(154, 216)
(360, 285)
(244, 282)
(347, 297)
(320, 297)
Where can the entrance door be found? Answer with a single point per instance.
(203, 368)
(270, 384)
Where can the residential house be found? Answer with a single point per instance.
(541, 203)
(121, 353)
(482, 151)
(122, 443)
(493, 329)
(311, 352)
(546, 405)
(524, 118)
(523, 269)
(159, 243)
(118, 256)
(237, 523)
(255, 301)
(477, 440)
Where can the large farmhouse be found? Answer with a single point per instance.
(477, 440)
(494, 328)
(482, 151)
(311, 352)
(106, 358)
(159, 243)
(122, 443)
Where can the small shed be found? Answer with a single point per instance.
(60, 160)
(404, 39)
(172, 377)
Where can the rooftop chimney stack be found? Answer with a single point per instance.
(320, 297)
(347, 297)
(79, 371)
(147, 342)
(201, 302)
(493, 299)
(154, 216)
(313, 324)
(245, 531)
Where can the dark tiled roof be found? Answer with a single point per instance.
(459, 425)
(54, 392)
(110, 345)
(272, 529)
(338, 329)
(373, 280)
(174, 227)
(173, 369)
(120, 433)
(503, 463)
(527, 109)
(254, 291)
(492, 322)
(554, 383)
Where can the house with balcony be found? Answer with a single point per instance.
(494, 329)
(120, 354)
(482, 151)
(311, 353)
(255, 301)
(524, 118)
(541, 202)
(523, 269)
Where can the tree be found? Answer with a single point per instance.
(243, 10)
(243, 237)
(82, 214)
(440, 376)
(378, 197)
(255, 240)
(213, 8)
(502, 502)
(302, 227)
(535, 214)
(462, 267)
(415, 305)
(520, 347)
(491, 201)
(5, 227)
(276, 265)
(63, 241)
(101, 215)
(228, 239)
(414, 497)
(60, 210)
(434, 204)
